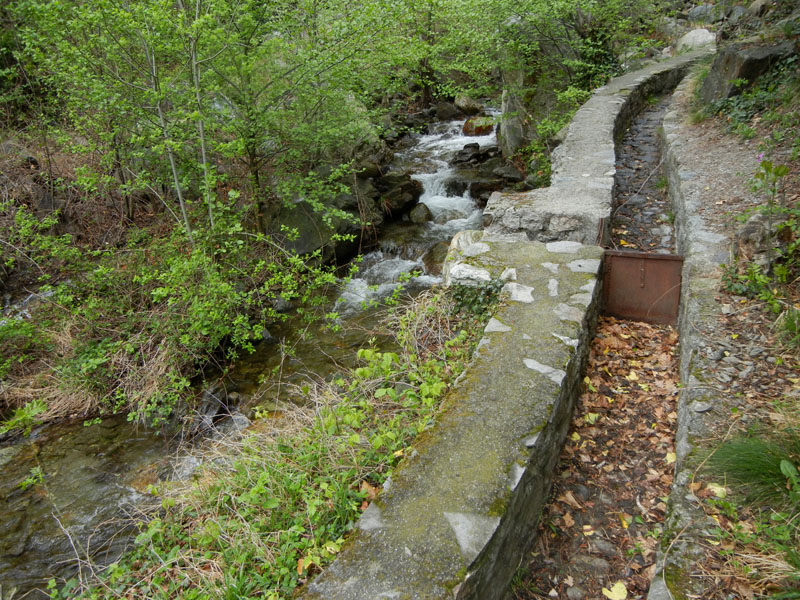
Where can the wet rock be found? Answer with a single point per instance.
(467, 105)
(446, 111)
(420, 214)
(508, 172)
(398, 192)
(481, 190)
(470, 153)
(478, 126)
(736, 63)
(434, 258)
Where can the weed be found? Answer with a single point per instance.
(273, 508)
(759, 465)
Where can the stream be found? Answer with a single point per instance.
(70, 492)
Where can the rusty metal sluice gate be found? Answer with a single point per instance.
(642, 286)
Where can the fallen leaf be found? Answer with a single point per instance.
(625, 519)
(587, 530)
(632, 376)
(618, 591)
(717, 489)
(671, 457)
(591, 418)
(568, 520)
(568, 498)
(575, 437)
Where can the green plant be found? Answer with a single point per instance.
(477, 299)
(758, 464)
(35, 477)
(24, 418)
(274, 507)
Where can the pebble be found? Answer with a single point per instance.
(593, 563)
(605, 548)
(701, 407)
(576, 592)
(727, 309)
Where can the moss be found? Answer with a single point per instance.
(676, 577)
(498, 507)
(460, 575)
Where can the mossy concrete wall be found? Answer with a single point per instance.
(579, 199)
(461, 510)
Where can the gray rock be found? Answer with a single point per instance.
(508, 172)
(736, 63)
(697, 38)
(736, 13)
(703, 13)
(446, 111)
(594, 564)
(604, 547)
(420, 214)
(576, 592)
(467, 105)
(758, 7)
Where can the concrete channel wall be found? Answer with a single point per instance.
(461, 511)
(687, 525)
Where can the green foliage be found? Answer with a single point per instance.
(35, 477)
(759, 465)
(277, 510)
(24, 418)
(772, 96)
(477, 299)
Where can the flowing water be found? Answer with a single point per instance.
(68, 492)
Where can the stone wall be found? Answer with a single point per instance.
(579, 199)
(461, 511)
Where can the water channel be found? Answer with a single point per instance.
(69, 492)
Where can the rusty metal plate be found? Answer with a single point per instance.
(641, 286)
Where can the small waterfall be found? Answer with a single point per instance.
(404, 245)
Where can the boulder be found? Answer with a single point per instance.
(470, 152)
(697, 38)
(420, 214)
(478, 126)
(434, 258)
(736, 13)
(467, 105)
(481, 190)
(398, 192)
(446, 111)
(704, 13)
(509, 173)
(736, 63)
(759, 7)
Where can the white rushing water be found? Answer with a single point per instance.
(404, 246)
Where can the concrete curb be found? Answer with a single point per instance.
(686, 524)
(462, 509)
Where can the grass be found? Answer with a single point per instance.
(269, 510)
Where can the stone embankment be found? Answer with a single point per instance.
(461, 511)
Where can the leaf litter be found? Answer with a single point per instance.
(599, 533)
